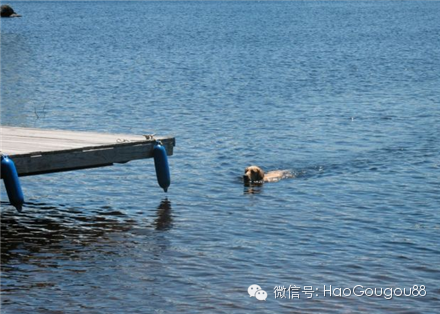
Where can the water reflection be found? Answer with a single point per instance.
(164, 220)
(89, 250)
(253, 188)
(55, 230)
(60, 231)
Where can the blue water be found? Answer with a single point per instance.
(346, 95)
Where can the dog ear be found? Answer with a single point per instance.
(261, 173)
(246, 170)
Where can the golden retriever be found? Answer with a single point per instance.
(254, 174)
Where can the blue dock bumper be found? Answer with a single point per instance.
(12, 183)
(161, 165)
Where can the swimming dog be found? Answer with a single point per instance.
(256, 175)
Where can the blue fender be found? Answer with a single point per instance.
(161, 165)
(12, 183)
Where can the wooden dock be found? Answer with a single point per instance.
(39, 151)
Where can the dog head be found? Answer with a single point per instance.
(253, 174)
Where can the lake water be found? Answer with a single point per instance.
(346, 95)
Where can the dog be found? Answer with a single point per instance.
(256, 175)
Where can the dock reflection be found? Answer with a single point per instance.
(82, 250)
(68, 231)
(56, 230)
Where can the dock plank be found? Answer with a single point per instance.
(38, 151)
